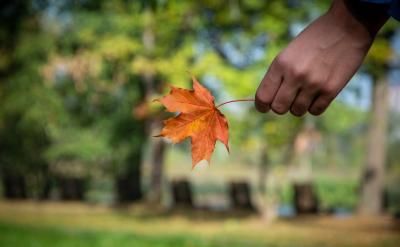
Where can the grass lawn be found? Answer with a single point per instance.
(56, 224)
(17, 235)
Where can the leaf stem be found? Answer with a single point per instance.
(231, 101)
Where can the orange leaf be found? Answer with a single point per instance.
(199, 119)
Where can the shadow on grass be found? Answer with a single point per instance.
(145, 211)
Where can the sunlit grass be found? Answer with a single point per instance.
(72, 224)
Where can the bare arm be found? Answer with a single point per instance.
(319, 62)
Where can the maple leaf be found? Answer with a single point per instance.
(198, 119)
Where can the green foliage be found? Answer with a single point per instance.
(332, 193)
(28, 107)
(98, 89)
(85, 145)
(337, 193)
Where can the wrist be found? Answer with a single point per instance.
(360, 19)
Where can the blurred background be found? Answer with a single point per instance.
(79, 165)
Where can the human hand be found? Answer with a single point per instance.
(319, 62)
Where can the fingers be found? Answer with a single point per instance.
(302, 103)
(294, 79)
(285, 96)
(323, 100)
(280, 86)
(298, 88)
(268, 87)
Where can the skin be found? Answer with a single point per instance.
(311, 71)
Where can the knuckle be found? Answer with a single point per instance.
(327, 91)
(316, 111)
(299, 73)
(261, 104)
(279, 108)
(320, 106)
(313, 84)
(281, 61)
(262, 100)
(298, 110)
(297, 113)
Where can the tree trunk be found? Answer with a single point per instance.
(305, 199)
(72, 189)
(301, 161)
(240, 195)
(263, 169)
(182, 193)
(157, 162)
(372, 184)
(128, 185)
(14, 185)
(46, 189)
(157, 146)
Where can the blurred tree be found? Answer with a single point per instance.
(373, 177)
(91, 72)
(24, 123)
(157, 146)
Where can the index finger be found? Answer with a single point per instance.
(268, 88)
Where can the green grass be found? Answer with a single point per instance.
(27, 236)
(16, 235)
(31, 224)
